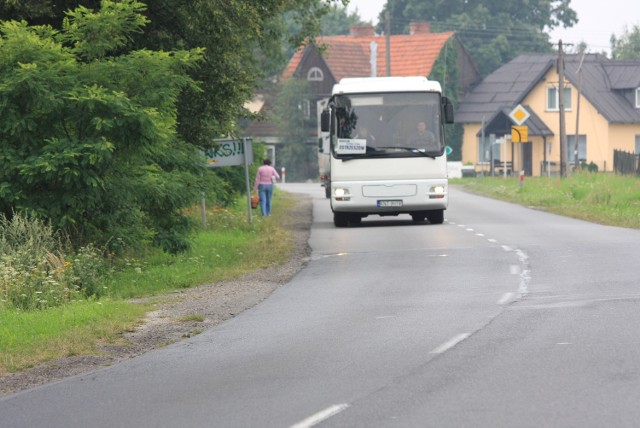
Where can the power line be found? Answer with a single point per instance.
(518, 33)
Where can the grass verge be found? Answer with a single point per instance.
(228, 247)
(29, 338)
(601, 198)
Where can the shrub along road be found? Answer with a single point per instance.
(175, 317)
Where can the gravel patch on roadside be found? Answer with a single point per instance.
(182, 314)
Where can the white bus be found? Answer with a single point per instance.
(387, 148)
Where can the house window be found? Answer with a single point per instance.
(571, 149)
(638, 98)
(553, 101)
(638, 144)
(315, 75)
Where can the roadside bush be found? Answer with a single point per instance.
(34, 271)
(590, 167)
(23, 236)
(31, 283)
(28, 278)
(89, 269)
(89, 138)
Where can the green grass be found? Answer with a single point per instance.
(227, 248)
(29, 338)
(600, 198)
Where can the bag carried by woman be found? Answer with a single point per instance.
(255, 201)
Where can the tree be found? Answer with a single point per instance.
(338, 21)
(88, 136)
(492, 31)
(446, 72)
(628, 45)
(243, 46)
(242, 42)
(299, 158)
(334, 21)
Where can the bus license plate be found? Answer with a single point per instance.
(389, 203)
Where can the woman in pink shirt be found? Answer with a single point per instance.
(264, 185)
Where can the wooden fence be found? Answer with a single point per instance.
(626, 163)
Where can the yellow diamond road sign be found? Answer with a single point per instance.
(519, 115)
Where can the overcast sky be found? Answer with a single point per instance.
(598, 20)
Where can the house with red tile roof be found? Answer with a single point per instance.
(363, 53)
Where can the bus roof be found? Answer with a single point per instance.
(359, 85)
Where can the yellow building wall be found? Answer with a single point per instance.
(590, 123)
(470, 147)
(469, 153)
(621, 137)
(602, 137)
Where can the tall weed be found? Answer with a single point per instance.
(35, 272)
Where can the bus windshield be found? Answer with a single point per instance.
(388, 125)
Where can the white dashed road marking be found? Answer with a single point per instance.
(321, 416)
(522, 269)
(450, 344)
(506, 298)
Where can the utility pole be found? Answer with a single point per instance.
(575, 146)
(563, 131)
(387, 30)
(484, 144)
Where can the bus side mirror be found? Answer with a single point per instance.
(320, 148)
(325, 120)
(447, 107)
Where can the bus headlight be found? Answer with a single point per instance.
(437, 192)
(341, 194)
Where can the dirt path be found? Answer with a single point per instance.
(217, 302)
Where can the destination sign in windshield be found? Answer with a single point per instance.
(351, 146)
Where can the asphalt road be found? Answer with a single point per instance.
(502, 316)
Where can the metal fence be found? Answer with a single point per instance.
(626, 163)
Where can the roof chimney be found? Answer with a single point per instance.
(361, 31)
(419, 28)
(374, 59)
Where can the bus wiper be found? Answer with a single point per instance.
(350, 157)
(371, 152)
(380, 152)
(409, 149)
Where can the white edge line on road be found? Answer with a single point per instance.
(321, 416)
(506, 298)
(450, 344)
(525, 274)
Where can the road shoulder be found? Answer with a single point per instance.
(170, 322)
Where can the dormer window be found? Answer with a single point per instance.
(637, 97)
(315, 75)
